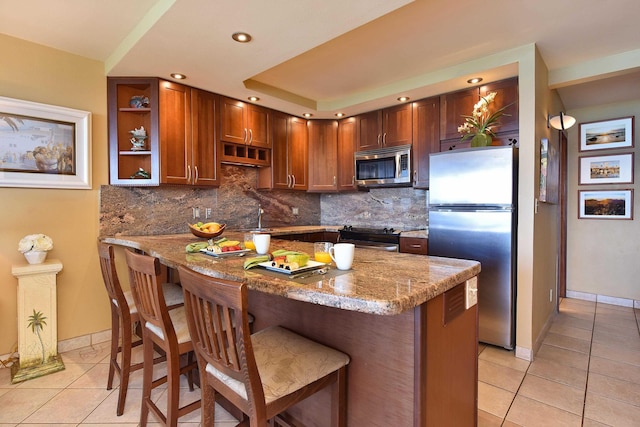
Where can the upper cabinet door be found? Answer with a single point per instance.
(369, 127)
(346, 147)
(506, 95)
(175, 133)
(396, 126)
(258, 126)
(233, 120)
(298, 154)
(279, 170)
(323, 155)
(205, 163)
(453, 106)
(426, 138)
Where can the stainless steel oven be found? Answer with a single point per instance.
(384, 167)
(382, 239)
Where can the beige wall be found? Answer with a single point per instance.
(603, 255)
(40, 74)
(546, 216)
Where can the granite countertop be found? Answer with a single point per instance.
(379, 283)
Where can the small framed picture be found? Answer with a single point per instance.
(602, 135)
(605, 204)
(611, 169)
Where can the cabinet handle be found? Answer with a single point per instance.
(415, 176)
(384, 139)
(244, 138)
(250, 136)
(334, 180)
(195, 181)
(188, 174)
(353, 180)
(293, 181)
(288, 180)
(378, 139)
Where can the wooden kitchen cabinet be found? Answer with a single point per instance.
(453, 106)
(187, 135)
(123, 118)
(323, 155)
(506, 94)
(289, 155)
(244, 123)
(346, 149)
(426, 138)
(385, 128)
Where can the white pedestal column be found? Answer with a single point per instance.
(37, 321)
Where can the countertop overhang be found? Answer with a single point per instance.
(378, 283)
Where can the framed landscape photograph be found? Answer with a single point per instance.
(602, 135)
(611, 169)
(44, 146)
(605, 204)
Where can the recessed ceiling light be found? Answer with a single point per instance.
(307, 114)
(178, 76)
(339, 114)
(474, 80)
(403, 98)
(241, 37)
(254, 98)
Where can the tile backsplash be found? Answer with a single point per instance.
(168, 209)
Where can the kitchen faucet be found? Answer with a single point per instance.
(260, 212)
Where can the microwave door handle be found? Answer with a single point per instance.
(398, 171)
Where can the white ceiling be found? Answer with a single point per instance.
(335, 55)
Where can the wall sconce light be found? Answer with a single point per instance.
(560, 122)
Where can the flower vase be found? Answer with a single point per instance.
(35, 257)
(481, 140)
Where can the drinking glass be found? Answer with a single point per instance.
(321, 252)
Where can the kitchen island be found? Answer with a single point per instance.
(402, 319)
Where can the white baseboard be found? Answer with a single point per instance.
(524, 353)
(604, 299)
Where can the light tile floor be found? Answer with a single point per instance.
(587, 373)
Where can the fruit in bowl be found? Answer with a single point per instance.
(207, 230)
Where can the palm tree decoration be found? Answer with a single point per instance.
(11, 121)
(36, 323)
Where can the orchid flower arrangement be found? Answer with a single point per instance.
(481, 121)
(35, 242)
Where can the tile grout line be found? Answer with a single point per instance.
(586, 385)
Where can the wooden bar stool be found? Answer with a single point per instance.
(261, 374)
(168, 330)
(124, 316)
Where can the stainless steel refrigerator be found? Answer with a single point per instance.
(473, 197)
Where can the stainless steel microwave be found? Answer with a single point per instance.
(384, 167)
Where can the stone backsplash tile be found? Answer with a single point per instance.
(168, 209)
(404, 208)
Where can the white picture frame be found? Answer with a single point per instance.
(609, 169)
(44, 146)
(607, 134)
(605, 204)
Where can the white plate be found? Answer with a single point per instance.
(311, 265)
(225, 254)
